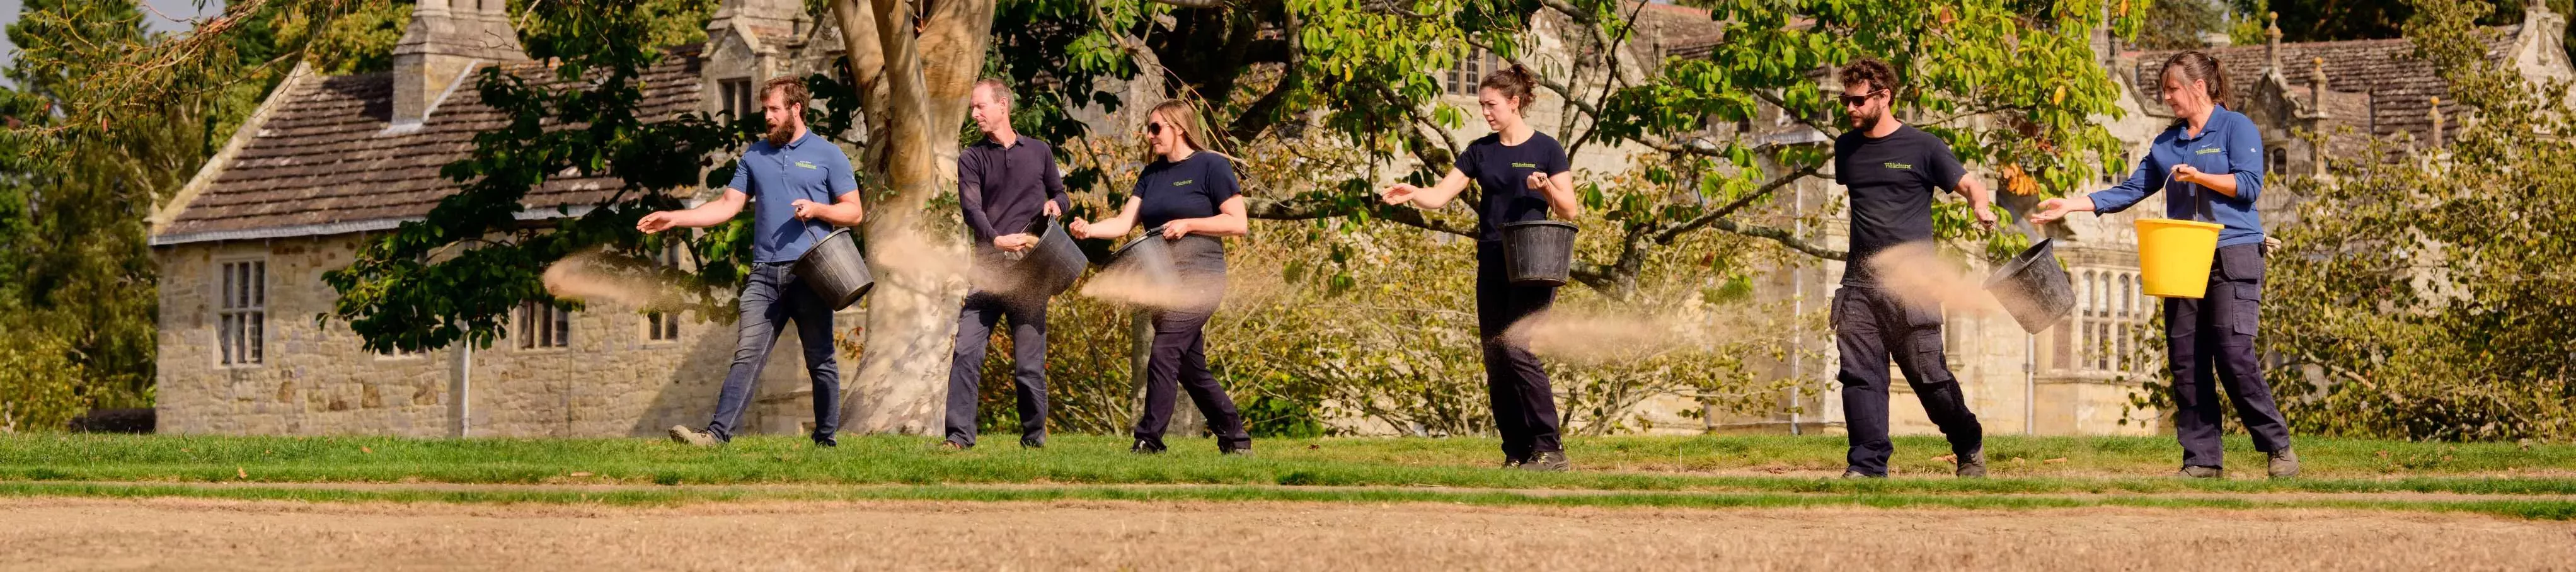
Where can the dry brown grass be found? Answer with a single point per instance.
(170, 533)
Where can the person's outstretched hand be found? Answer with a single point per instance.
(657, 222)
(1399, 194)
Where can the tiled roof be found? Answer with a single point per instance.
(2400, 86)
(329, 156)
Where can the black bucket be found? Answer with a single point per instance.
(2033, 288)
(1149, 257)
(1050, 267)
(1538, 252)
(835, 270)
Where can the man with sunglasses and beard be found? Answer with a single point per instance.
(1891, 170)
(799, 187)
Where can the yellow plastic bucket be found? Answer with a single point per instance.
(2173, 256)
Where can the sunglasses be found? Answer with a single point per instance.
(1154, 128)
(1856, 100)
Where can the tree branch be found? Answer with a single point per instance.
(1196, 3)
(1263, 113)
(1669, 233)
(1782, 236)
(1309, 206)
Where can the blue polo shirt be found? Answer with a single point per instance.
(807, 168)
(2229, 143)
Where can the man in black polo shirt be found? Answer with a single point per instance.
(1004, 183)
(1891, 170)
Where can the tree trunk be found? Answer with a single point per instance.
(900, 385)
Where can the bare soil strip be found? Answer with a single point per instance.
(204, 534)
(791, 488)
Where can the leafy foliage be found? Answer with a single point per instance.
(2425, 295)
(81, 168)
(456, 275)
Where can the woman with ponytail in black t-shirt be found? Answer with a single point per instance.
(1523, 175)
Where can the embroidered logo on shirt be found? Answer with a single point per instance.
(1525, 165)
(2209, 151)
(1904, 166)
(805, 165)
(1183, 182)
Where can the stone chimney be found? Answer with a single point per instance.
(446, 41)
(781, 18)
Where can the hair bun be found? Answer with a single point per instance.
(1514, 81)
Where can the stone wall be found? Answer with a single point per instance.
(317, 380)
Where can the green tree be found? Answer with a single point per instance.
(2425, 294)
(2178, 24)
(455, 275)
(80, 171)
(2012, 85)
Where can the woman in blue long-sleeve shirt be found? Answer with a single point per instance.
(2210, 165)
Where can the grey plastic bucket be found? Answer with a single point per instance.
(2033, 288)
(835, 270)
(1050, 267)
(1538, 252)
(1150, 258)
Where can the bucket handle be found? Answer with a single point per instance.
(1149, 233)
(809, 224)
(1037, 224)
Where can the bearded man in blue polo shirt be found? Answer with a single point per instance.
(799, 187)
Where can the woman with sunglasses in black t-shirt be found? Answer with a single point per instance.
(1190, 193)
(1523, 175)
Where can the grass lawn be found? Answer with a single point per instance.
(1773, 464)
(2512, 507)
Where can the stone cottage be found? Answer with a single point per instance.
(327, 162)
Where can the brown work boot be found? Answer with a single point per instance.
(2285, 464)
(687, 436)
(2200, 472)
(1973, 465)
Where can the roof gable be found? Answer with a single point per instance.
(328, 160)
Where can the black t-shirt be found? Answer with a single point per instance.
(1502, 177)
(1191, 188)
(1891, 181)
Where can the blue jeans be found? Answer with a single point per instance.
(772, 296)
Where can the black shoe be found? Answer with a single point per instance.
(1550, 461)
(2200, 472)
(1241, 451)
(950, 446)
(1852, 474)
(1037, 441)
(1146, 447)
(826, 442)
